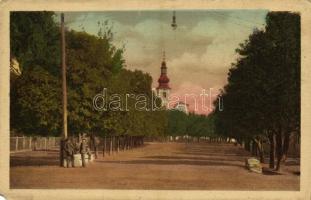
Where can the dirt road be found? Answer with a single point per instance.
(155, 166)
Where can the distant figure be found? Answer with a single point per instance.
(68, 152)
(83, 151)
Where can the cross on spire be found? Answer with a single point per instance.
(164, 55)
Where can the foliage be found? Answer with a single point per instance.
(93, 63)
(180, 124)
(35, 103)
(35, 96)
(262, 96)
(35, 40)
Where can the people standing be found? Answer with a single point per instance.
(83, 151)
(68, 152)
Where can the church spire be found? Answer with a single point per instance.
(163, 66)
(164, 56)
(163, 80)
(163, 89)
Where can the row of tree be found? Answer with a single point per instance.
(93, 63)
(194, 125)
(262, 98)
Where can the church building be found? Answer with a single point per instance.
(163, 89)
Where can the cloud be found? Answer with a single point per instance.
(198, 53)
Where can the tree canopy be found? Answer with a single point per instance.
(93, 63)
(262, 97)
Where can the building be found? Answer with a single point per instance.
(163, 89)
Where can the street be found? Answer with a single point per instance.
(195, 166)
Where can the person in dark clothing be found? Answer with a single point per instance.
(83, 151)
(68, 152)
(64, 152)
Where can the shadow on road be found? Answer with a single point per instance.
(201, 158)
(173, 162)
(45, 158)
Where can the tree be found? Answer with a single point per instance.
(177, 123)
(262, 97)
(93, 63)
(35, 95)
(36, 103)
(194, 125)
(34, 39)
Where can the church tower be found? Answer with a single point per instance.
(163, 89)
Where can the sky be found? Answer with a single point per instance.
(198, 53)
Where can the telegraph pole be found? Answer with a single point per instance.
(64, 84)
(64, 88)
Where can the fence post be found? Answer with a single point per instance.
(38, 143)
(23, 148)
(45, 143)
(16, 144)
(114, 144)
(105, 145)
(124, 142)
(111, 145)
(118, 143)
(131, 142)
(30, 140)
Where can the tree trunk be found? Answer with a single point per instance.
(61, 156)
(272, 150)
(279, 150)
(285, 146)
(115, 138)
(121, 143)
(261, 156)
(127, 143)
(95, 146)
(104, 146)
(80, 138)
(118, 144)
(252, 147)
(131, 142)
(124, 143)
(110, 145)
(246, 145)
(259, 147)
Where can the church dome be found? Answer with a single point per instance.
(163, 80)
